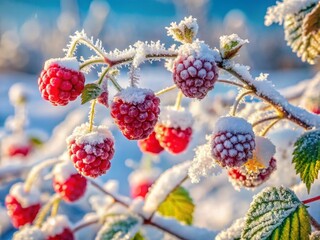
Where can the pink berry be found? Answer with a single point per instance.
(91, 152)
(57, 228)
(135, 111)
(72, 189)
(59, 83)
(194, 75)
(22, 206)
(232, 141)
(174, 140)
(103, 99)
(241, 177)
(66, 234)
(21, 151)
(141, 189)
(150, 144)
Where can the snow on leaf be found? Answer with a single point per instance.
(306, 157)
(276, 213)
(165, 184)
(185, 32)
(233, 232)
(311, 22)
(91, 91)
(178, 205)
(230, 45)
(119, 227)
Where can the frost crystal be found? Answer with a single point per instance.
(68, 63)
(133, 94)
(276, 14)
(26, 199)
(233, 232)
(171, 117)
(185, 31)
(203, 164)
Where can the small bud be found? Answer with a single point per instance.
(230, 45)
(185, 32)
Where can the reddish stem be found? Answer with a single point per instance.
(310, 200)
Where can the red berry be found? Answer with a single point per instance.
(22, 151)
(232, 141)
(103, 99)
(57, 228)
(241, 177)
(91, 152)
(72, 189)
(135, 111)
(22, 206)
(194, 72)
(141, 189)
(174, 129)
(150, 144)
(61, 81)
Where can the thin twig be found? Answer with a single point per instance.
(265, 120)
(314, 223)
(165, 90)
(238, 100)
(266, 130)
(178, 100)
(310, 200)
(232, 83)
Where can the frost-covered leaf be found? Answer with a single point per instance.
(119, 227)
(230, 45)
(138, 236)
(91, 91)
(306, 157)
(185, 32)
(233, 232)
(311, 23)
(178, 205)
(276, 213)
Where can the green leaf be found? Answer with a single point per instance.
(91, 91)
(119, 227)
(178, 205)
(277, 214)
(36, 141)
(138, 236)
(306, 157)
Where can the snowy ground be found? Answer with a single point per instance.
(218, 204)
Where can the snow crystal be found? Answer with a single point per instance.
(82, 135)
(187, 22)
(200, 50)
(29, 233)
(63, 171)
(264, 150)
(143, 175)
(171, 117)
(233, 125)
(55, 225)
(26, 199)
(133, 94)
(227, 42)
(233, 232)
(203, 164)
(164, 185)
(18, 92)
(68, 63)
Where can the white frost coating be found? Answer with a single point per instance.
(171, 117)
(68, 63)
(17, 93)
(82, 135)
(55, 225)
(233, 125)
(143, 175)
(189, 22)
(26, 199)
(227, 40)
(133, 95)
(315, 235)
(233, 232)
(63, 171)
(200, 50)
(264, 150)
(203, 164)
(182, 230)
(164, 185)
(277, 13)
(29, 233)
(122, 232)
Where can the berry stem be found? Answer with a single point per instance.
(232, 83)
(92, 61)
(266, 130)
(36, 170)
(45, 210)
(238, 100)
(115, 83)
(178, 101)
(310, 200)
(55, 207)
(266, 120)
(82, 40)
(165, 90)
(91, 115)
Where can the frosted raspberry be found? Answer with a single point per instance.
(232, 141)
(19, 150)
(17, 145)
(194, 70)
(241, 177)
(135, 111)
(91, 152)
(22, 206)
(140, 190)
(67, 182)
(61, 81)
(103, 99)
(57, 228)
(150, 144)
(174, 129)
